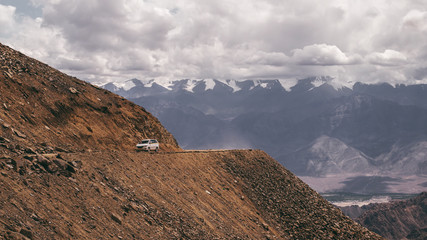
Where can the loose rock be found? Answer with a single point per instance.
(19, 134)
(116, 218)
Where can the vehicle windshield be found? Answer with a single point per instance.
(144, 142)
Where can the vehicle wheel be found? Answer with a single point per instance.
(157, 149)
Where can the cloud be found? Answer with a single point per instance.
(115, 40)
(322, 54)
(420, 73)
(29, 36)
(110, 24)
(416, 19)
(6, 19)
(387, 58)
(267, 58)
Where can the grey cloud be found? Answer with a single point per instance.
(136, 60)
(109, 24)
(415, 19)
(262, 58)
(122, 39)
(74, 64)
(420, 73)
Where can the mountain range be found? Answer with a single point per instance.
(405, 219)
(394, 220)
(316, 126)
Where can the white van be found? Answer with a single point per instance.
(148, 144)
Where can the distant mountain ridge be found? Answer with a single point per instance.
(374, 128)
(229, 85)
(401, 93)
(398, 220)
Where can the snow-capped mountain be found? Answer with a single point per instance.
(314, 126)
(227, 99)
(204, 85)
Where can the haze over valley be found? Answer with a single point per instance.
(365, 138)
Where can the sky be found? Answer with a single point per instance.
(115, 40)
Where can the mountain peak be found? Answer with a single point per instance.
(230, 85)
(308, 84)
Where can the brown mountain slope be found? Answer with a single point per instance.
(204, 195)
(45, 109)
(112, 192)
(405, 219)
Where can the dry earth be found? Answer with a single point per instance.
(137, 195)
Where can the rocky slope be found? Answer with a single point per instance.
(44, 109)
(128, 195)
(67, 172)
(398, 220)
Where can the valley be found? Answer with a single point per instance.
(355, 138)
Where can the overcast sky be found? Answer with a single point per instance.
(115, 40)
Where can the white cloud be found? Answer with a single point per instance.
(6, 19)
(29, 36)
(416, 19)
(322, 54)
(387, 58)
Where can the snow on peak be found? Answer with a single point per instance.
(233, 85)
(164, 83)
(287, 84)
(320, 80)
(126, 85)
(190, 84)
(336, 83)
(261, 83)
(210, 84)
(149, 83)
